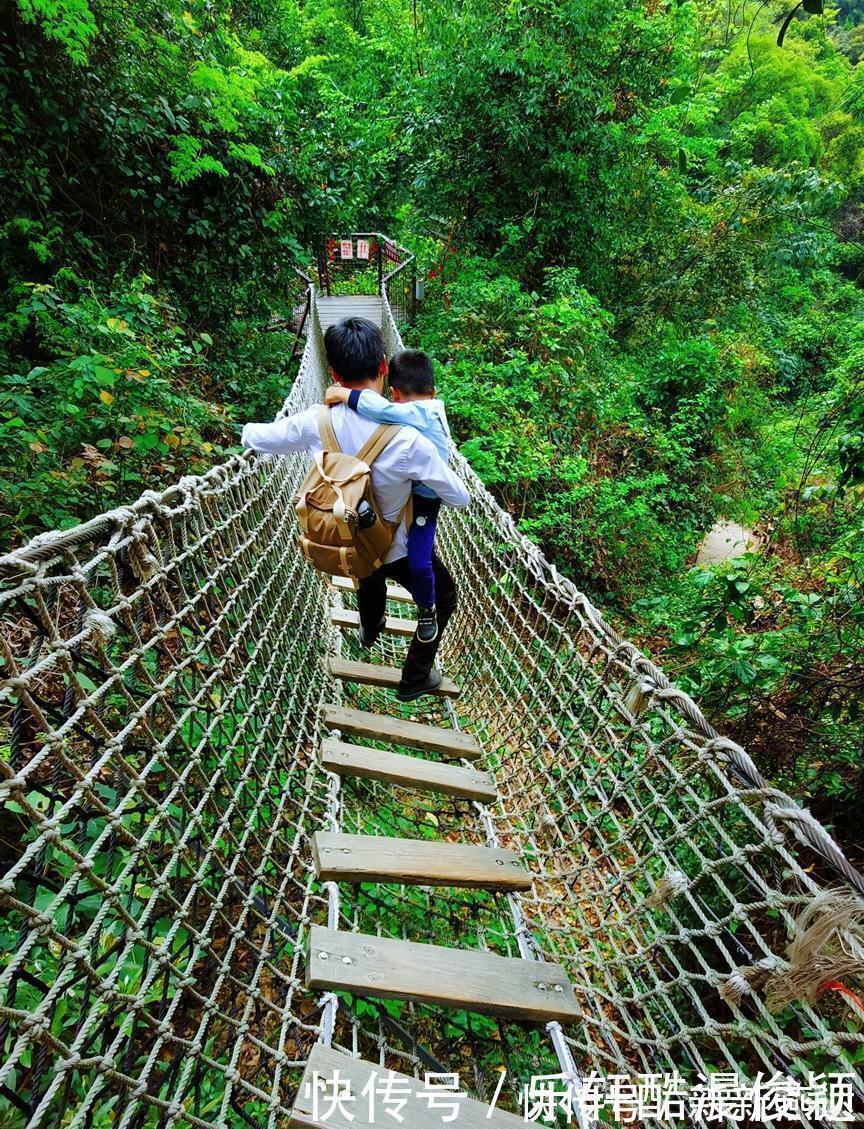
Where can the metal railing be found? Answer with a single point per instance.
(369, 262)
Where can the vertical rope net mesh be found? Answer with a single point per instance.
(165, 669)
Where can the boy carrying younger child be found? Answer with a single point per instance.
(414, 404)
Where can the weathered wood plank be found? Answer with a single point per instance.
(343, 583)
(352, 1076)
(406, 771)
(458, 978)
(413, 734)
(393, 624)
(394, 591)
(333, 309)
(334, 301)
(376, 674)
(415, 862)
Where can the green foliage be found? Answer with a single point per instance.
(70, 22)
(770, 647)
(118, 402)
(602, 454)
(201, 146)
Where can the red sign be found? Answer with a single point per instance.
(391, 253)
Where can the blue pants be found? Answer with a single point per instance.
(421, 542)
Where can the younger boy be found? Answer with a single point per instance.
(412, 384)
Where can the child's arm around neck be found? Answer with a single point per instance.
(423, 413)
(366, 403)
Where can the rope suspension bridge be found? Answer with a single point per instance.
(231, 858)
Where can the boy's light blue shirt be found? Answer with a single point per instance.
(429, 417)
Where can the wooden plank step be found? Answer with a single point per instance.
(415, 862)
(339, 306)
(460, 978)
(376, 674)
(406, 771)
(394, 591)
(332, 1072)
(413, 734)
(394, 624)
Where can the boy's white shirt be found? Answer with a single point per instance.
(408, 457)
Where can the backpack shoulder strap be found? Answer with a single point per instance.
(325, 429)
(377, 441)
(370, 451)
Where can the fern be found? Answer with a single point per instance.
(70, 22)
(251, 154)
(187, 161)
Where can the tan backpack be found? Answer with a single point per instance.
(331, 535)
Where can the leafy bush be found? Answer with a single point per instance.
(596, 461)
(115, 408)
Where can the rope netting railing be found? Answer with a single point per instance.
(163, 683)
(160, 706)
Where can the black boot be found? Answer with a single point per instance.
(428, 686)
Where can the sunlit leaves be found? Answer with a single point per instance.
(70, 22)
(188, 160)
(96, 422)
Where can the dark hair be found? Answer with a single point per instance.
(411, 371)
(355, 349)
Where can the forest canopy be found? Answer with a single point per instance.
(640, 228)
